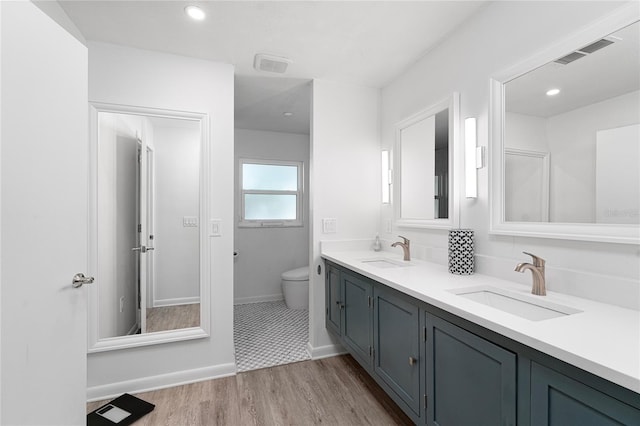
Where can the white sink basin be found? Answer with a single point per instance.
(385, 263)
(533, 308)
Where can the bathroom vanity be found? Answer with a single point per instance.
(448, 352)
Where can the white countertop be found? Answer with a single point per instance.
(602, 339)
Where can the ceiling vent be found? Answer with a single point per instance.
(270, 63)
(596, 46)
(581, 53)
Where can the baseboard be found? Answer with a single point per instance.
(176, 301)
(145, 384)
(325, 351)
(258, 299)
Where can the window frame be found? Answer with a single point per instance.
(271, 223)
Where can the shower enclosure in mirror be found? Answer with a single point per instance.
(566, 138)
(148, 225)
(424, 192)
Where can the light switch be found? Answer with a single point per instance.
(190, 221)
(215, 228)
(329, 226)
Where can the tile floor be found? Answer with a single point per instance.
(268, 333)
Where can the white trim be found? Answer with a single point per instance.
(452, 102)
(258, 299)
(176, 301)
(609, 233)
(161, 381)
(145, 339)
(325, 351)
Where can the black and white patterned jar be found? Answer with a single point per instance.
(461, 251)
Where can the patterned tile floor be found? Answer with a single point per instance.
(268, 333)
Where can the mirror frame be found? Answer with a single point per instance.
(452, 102)
(94, 342)
(611, 233)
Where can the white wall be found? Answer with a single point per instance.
(499, 36)
(150, 79)
(345, 181)
(265, 253)
(177, 183)
(573, 177)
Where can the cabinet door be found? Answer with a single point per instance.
(357, 319)
(559, 400)
(333, 300)
(396, 330)
(470, 381)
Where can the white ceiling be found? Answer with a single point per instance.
(363, 42)
(606, 73)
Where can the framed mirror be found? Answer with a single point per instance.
(426, 151)
(565, 138)
(148, 227)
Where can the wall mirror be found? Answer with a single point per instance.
(425, 194)
(566, 138)
(149, 248)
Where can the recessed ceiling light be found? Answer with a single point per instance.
(553, 92)
(195, 12)
(287, 114)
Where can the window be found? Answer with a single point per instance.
(270, 193)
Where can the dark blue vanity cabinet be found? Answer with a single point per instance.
(470, 381)
(443, 370)
(333, 300)
(558, 400)
(357, 333)
(398, 353)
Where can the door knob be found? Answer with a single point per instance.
(142, 249)
(412, 360)
(79, 280)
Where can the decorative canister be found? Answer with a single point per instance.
(461, 251)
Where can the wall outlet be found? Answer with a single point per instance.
(388, 228)
(122, 304)
(329, 225)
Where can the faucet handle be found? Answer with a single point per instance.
(537, 261)
(406, 240)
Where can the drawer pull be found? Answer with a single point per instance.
(412, 360)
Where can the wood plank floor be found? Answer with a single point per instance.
(173, 317)
(330, 391)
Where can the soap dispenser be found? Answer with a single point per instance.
(377, 246)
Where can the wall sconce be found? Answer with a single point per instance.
(472, 157)
(386, 178)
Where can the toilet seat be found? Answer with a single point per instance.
(299, 274)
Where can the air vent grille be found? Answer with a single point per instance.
(271, 63)
(573, 56)
(581, 53)
(596, 46)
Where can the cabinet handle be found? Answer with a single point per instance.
(412, 360)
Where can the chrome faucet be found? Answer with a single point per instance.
(406, 247)
(537, 271)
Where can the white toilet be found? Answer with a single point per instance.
(295, 286)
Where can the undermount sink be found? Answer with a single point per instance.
(514, 303)
(385, 263)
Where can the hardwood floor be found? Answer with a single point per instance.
(173, 317)
(330, 391)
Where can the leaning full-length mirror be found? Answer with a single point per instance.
(148, 233)
(567, 139)
(424, 167)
